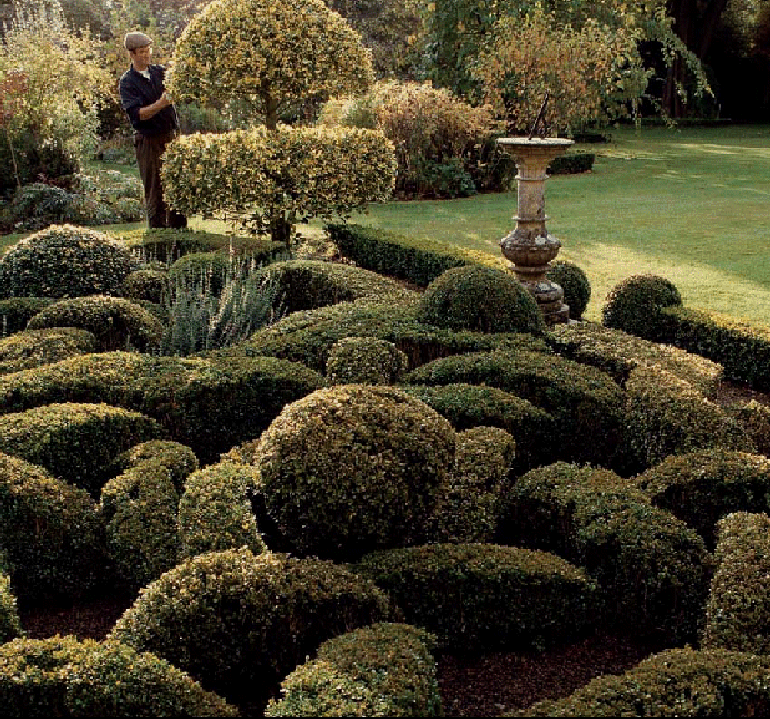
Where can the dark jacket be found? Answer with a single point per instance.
(137, 91)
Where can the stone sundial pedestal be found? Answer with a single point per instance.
(529, 247)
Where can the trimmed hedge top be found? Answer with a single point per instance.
(33, 348)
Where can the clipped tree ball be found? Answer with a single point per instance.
(352, 468)
(365, 360)
(65, 261)
(634, 304)
(481, 299)
(577, 288)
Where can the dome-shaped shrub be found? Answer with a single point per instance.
(634, 304)
(239, 623)
(65, 677)
(365, 360)
(207, 270)
(350, 469)
(577, 288)
(15, 312)
(115, 322)
(65, 261)
(479, 298)
(25, 350)
(148, 285)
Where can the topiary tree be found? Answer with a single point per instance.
(577, 288)
(634, 304)
(271, 56)
(366, 360)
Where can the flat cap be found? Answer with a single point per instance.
(134, 40)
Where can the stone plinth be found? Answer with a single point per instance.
(529, 247)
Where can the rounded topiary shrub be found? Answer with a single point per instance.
(10, 626)
(15, 312)
(248, 620)
(473, 297)
(50, 534)
(754, 417)
(66, 677)
(577, 288)
(365, 360)
(208, 271)
(65, 261)
(117, 323)
(354, 468)
(485, 595)
(148, 285)
(33, 348)
(634, 305)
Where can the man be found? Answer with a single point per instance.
(155, 123)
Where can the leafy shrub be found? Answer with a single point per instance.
(681, 682)
(180, 461)
(754, 417)
(10, 626)
(577, 288)
(635, 305)
(737, 608)
(702, 486)
(464, 593)
(468, 405)
(25, 350)
(249, 620)
(15, 312)
(349, 469)
(76, 442)
(50, 534)
(149, 285)
(38, 205)
(208, 270)
(481, 299)
(62, 676)
(667, 416)
(585, 402)
(365, 360)
(64, 261)
(215, 513)
(382, 670)
(116, 323)
(207, 404)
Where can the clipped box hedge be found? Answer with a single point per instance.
(248, 620)
(382, 670)
(485, 596)
(62, 676)
(676, 682)
(15, 312)
(701, 487)
(586, 403)
(754, 417)
(33, 348)
(51, 537)
(365, 360)
(738, 608)
(209, 405)
(75, 441)
(10, 626)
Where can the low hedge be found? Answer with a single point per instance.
(50, 534)
(676, 682)
(739, 603)
(618, 353)
(10, 626)
(75, 441)
(33, 348)
(754, 417)
(248, 620)
(180, 460)
(742, 348)
(585, 402)
(148, 285)
(417, 260)
(139, 508)
(15, 312)
(62, 676)
(468, 405)
(215, 513)
(116, 323)
(667, 416)
(652, 569)
(485, 596)
(703, 486)
(209, 405)
(365, 360)
(635, 305)
(382, 670)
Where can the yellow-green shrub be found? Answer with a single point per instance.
(32, 348)
(485, 595)
(51, 537)
(75, 441)
(15, 312)
(248, 619)
(215, 513)
(635, 305)
(354, 468)
(116, 323)
(206, 270)
(66, 677)
(754, 417)
(382, 670)
(365, 360)
(10, 626)
(150, 285)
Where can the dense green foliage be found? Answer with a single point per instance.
(635, 304)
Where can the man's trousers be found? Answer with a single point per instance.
(149, 150)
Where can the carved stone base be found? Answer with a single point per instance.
(550, 300)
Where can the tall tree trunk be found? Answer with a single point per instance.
(280, 226)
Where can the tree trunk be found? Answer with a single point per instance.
(280, 227)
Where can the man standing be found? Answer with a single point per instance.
(155, 123)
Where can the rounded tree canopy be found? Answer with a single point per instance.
(270, 52)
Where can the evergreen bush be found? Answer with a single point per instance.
(365, 360)
(574, 282)
(15, 312)
(635, 304)
(25, 350)
(10, 626)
